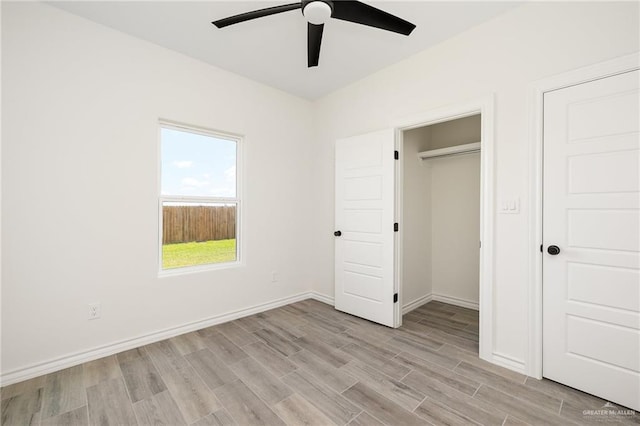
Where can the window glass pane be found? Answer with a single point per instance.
(198, 234)
(197, 165)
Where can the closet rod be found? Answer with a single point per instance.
(451, 150)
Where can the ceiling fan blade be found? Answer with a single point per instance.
(314, 40)
(221, 23)
(361, 13)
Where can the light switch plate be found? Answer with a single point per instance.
(510, 206)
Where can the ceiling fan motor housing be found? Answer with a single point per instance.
(317, 12)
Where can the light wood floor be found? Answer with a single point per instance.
(304, 363)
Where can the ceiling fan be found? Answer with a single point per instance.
(317, 12)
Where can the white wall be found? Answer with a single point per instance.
(441, 215)
(0, 198)
(455, 132)
(455, 227)
(79, 142)
(79, 186)
(455, 217)
(416, 220)
(502, 56)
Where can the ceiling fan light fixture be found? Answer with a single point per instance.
(317, 12)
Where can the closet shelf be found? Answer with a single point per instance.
(450, 150)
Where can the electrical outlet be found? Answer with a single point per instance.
(94, 311)
(274, 276)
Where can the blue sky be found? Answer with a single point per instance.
(197, 165)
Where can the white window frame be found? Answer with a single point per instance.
(237, 200)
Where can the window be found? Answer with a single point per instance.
(199, 202)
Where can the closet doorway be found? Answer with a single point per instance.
(444, 200)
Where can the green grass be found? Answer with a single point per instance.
(190, 254)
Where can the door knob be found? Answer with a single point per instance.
(337, 233)
(553, 250)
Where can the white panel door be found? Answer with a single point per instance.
(591, 288)
(364, 248)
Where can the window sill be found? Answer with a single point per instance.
(199, 268)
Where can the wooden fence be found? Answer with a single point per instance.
(183, 224)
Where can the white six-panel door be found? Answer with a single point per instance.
(591, 288)
(364, 218)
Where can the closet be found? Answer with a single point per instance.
(441, 213)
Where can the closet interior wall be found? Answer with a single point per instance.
(416, 220)
(441, 214)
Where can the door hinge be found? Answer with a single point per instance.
(395, 227)
(395, 298)
(540, 248)
(396, 155)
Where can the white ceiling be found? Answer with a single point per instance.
(272, 49)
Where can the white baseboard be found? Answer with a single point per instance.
(463, 303)
(411, 305)
(322, 298)
(50, 366)
(496, 358)
(508, 362)
(416, 303)
(439, 298)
